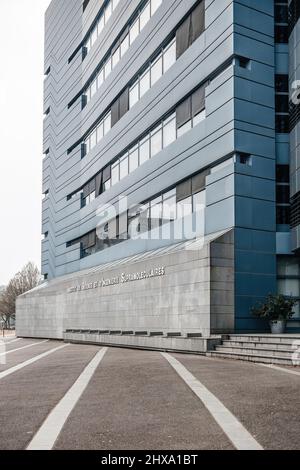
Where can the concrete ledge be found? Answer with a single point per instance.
(161, 343)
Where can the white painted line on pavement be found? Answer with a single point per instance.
(48, 433)
(231, 426)
(282, 369)
(12, 341)
(24, 347)
(11, 370)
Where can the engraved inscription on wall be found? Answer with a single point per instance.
(120, 279)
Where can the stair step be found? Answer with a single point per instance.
(278, 339)
(251, 358)
(259, 345)
(255, 351)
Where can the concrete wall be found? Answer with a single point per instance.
(195, 294)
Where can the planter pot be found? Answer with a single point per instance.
(277, 326)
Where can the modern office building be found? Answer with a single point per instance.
(171, 166)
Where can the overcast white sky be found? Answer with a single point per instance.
(21, 115)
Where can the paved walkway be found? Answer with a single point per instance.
(58, 396)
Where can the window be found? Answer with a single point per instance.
(107, 68)
(153, 73)
(94, 36)
(282, 103)
(134, 94)
(156, 212)
(288, 278)
(120, 107)
(281, 34)
(282, 194)
(115, 3)
(191, 28)
(282, 173)
(180, 201)
(100, 25)
(145, 16)
(93, 139)
(119, 48)
(108, 11)
(282, 83)
(134, 31)
(144, 150)
(116, 57)
(133, 159)
(155, 4)
(92, 196)
(144, 83)
(281, 17)
(100, 132)
(169, 131)
(96, 135)
(184, 116)
(169, 211)
(134, 225)
(191, 111)
(156, 141)
(107, 185)
(107, 124)
(115, 173)
(199, 200)
(281, 14)
(85, 99)
(100, 78)
(184, 207)
(185, 128)
(283, 215)
(160, 137)
(169, 56)
(190, 194)
(199, 118)
(85, 4)
(98, 28)
(282, 124)
(124, 45)
(93, 88)
(123, 166)
(156, 70)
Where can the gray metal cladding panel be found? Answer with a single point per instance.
(65, 28)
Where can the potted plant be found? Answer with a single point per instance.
(277, 309)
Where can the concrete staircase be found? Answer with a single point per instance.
(266, 348)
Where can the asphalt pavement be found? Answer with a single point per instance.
(88, 397)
